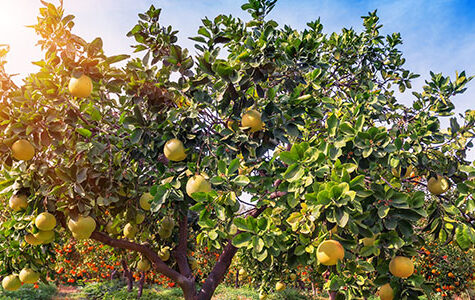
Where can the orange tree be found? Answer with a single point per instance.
(162, 152)
(450, 269)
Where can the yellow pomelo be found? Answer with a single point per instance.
(279, 286)
(45, 221)
(29, 276)
(44, 236)
(32, 240)
(139, 218)
(80, 87)
(242, 273)
(130, 231)
(438, 185)
(168, 223)
(145, 201)
(143, 265)
(253, 120)
(174, 150)
(293, 277)
(262, 296)
(11, 283)
(401, 266)
(386, 292)
(23, 150)
(164, 254)
(197, 184)
(164, 233)
(112, 229)
(18, 202)
(369, 241)
(329, 252)
(83, 227)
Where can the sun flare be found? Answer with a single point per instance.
(14, 17)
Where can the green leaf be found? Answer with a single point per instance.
(84, 132)
(241, 180)
(233, 166)
(136, 135)
(294, 173)
(217, 180)
(347, 128)
(289, 158)
(116, 58)
(332, 123)
(242, 240)
(241, 224)
(81, 175)
(383, 211)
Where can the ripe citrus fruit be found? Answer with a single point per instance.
(401, 266)
(29, 276)
(23, 150)
(197, 184)
(143, 265)
(438, 185)
(174, 150)
(32, 240)
(386, 292)
(252, 119)
(11, 283)
(279, 286)
(80, 87)
(18, 202)
(45, 237)
(130, 231)
(139, 218)
(83, 227)
(164, 254)
(45, 221)
(329, 252)
(145, 201)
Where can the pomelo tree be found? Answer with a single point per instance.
(288, 146)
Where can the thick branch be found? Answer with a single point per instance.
(153, 257)
(223, 263)
(180, 252)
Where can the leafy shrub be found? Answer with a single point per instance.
(29, 292)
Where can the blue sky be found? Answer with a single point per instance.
(439, 35)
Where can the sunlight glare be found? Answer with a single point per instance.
(15, 15)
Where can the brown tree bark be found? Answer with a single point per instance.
(128, 276)
(184, 278)
(185, 284)
(141, 282)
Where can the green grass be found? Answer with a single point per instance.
(116, 290)
(28, 292)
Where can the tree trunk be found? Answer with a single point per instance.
(113, 274)
(141, 282)
(236, 285)
(128, 276)
(332, 295)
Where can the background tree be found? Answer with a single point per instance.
(301, 127)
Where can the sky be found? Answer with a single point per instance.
(438, 35)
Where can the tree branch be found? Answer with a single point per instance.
(153, 257)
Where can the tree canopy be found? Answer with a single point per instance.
(297, 136)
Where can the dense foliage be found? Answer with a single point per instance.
(301, 126)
